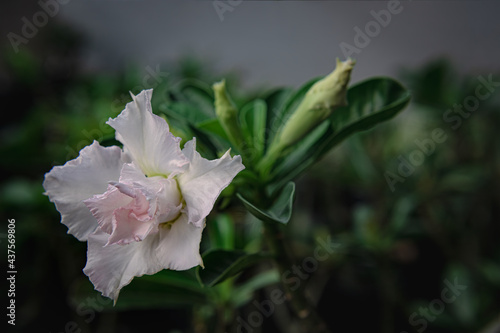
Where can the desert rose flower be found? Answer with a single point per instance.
(141, 209)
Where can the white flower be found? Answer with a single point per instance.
(142, 209)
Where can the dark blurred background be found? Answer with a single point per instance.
(66, 66)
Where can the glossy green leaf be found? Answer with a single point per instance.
(275, 102)
(276, 99)
(253, 125)
(197, 93)
(189, 101)
(213, 126)
(281, 209)
(370, 102)
(186, 112)
(221, 232)
(223, 264)
(207, 145)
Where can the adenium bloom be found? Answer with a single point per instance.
(141, 209)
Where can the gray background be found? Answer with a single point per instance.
(276, 43)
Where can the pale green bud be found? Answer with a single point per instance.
(224, 107)
(226, 112)
(318, 104)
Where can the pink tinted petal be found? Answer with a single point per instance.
(127, 228)
(103, 205)
(122, 212)
(139, 208)
(112, 267)
(162, 193)
(135, 206)
(146, 138)
(79, 179)
(204, 180)
(158, 203)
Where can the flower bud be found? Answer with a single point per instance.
(318, 104)
(226, 112)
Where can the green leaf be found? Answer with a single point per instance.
(221, 232)
(253, 124)
(276, 99)
(369, 103)
(197, 93)
(281, 209)
(275, 102)
(165, 289)
(187, 101)
(186, 112)
(223, 264)
(213, 126)
(208, 146)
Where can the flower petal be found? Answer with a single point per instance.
(112, 267)
(127, 228)
(179, 246)
(146, 137)
(103, 205)
(79, 179)
(204, 180)
(123, 212)
(134, 207)
(161, 192)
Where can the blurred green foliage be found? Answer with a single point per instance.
(394, 249)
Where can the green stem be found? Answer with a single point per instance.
(267, 162)
(301, 306)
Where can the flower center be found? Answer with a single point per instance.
(170, 202)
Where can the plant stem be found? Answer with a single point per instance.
(302, 308)
(265, 165)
